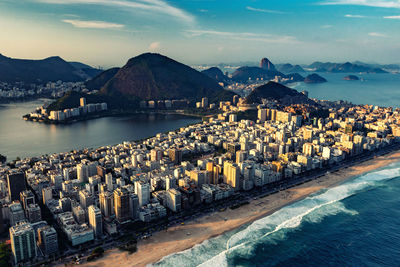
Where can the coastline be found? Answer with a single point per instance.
(176, 238)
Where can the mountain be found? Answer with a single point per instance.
(289, 68)
(101, 79)
(343, 67)
(314, 78)
(85, 70)
(40, 71)
(266, 64)
(155, 77)
(243, 74)
(216, 74)
(278, 92)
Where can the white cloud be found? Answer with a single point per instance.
(354, 16)
(264, 10)
(245, 36)
(376, 34)
(91, 24)
(157, 6)
(371, 3)
(154, 46)
(392, 17)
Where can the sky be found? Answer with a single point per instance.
(107, 33)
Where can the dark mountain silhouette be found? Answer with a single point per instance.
(40, 71)
(156, 77)
(216, 74)
(289, 68)
(243, 74)
(101, 79)
(344, 67)
(314, 78)
(266, 64)
(278, 92)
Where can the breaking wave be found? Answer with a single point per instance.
(273, 228)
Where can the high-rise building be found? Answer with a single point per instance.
(232, 175)
(85, 199)
(143, 192)
(33, 213)
(173, 198)
(16, 213)
(96, 220)
(106, 200)
(204, 102)
(79, 214)
(48, 240)
(175, 155)
(65, 204)
(47, 194)
(235, 100)
(27, 198)
(23, 241)
(308, 149)
(109, 182)
(156, 155)
(262, 115)
(134, 206)
(16, 184)
(82, 172)
(121, 205)
(199, 177)
(82, 101)
(216, 172)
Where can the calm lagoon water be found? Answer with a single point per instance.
(19, 138)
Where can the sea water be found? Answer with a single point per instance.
(356, 223)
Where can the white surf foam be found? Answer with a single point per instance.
(313, 209)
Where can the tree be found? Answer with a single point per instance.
(3, 159)
(5, 253)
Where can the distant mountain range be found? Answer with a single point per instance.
(289, 68)
(42, 71)
(156, 77)
(344, 68)
(266, 71)
(278, 92)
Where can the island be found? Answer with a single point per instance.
(351, 78)
(314, 78)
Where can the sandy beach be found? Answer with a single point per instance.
(177, 239)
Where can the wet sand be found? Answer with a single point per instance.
(182, 237)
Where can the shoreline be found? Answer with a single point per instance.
(177, 239)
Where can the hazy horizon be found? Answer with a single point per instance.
(108, 32)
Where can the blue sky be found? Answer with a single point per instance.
(108, 32)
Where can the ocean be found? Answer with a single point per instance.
(356, 223)
(373, 89)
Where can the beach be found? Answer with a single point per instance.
(182, 237)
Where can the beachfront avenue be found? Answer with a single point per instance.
(114, 196)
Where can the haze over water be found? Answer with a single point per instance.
(375, 89)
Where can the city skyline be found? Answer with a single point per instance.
(107, 33)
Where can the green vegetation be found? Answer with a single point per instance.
(320, 113)
(5, 253)
(130, 246)
(96, 253)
